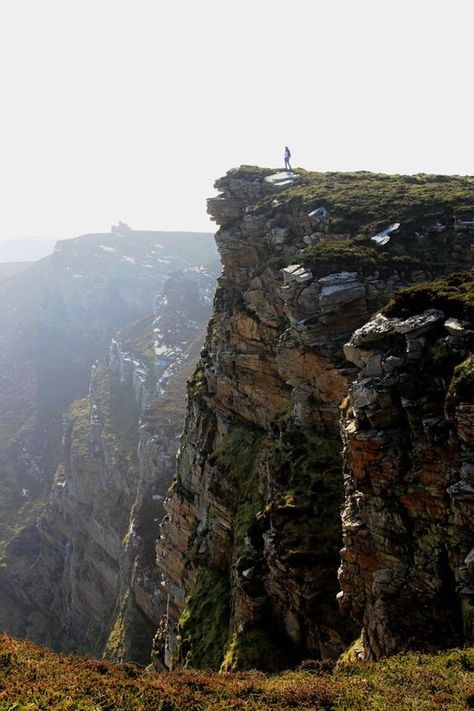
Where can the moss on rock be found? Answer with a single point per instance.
(337, 256)
(453, 294)
(255, 649)
(307, 466)
(237, 459)
(204, 622)
(461, 387)
(197, 383)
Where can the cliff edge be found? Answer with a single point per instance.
(249, 547)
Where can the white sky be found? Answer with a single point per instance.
(130, 109)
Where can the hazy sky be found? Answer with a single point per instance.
(129, 109)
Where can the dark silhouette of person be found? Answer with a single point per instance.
(287, 158)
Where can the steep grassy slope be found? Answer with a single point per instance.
(34, 679)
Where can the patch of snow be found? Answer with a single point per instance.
(164, 350)
(281, 179)
(320, 213)
(383, 237)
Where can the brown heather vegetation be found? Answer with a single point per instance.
(36, 679)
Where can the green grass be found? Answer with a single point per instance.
(205, 621)
(402, 255)
(453, 294)
(359, 205)
(363, 203)
(35, 679)
(337, 256)
(252, 170)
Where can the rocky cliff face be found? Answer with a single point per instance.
(250, 544)
(119, 451)
(407, 562)
(69, 566)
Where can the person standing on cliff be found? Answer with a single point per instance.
(287, 158)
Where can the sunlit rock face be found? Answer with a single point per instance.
(249, 547)
(408, 517)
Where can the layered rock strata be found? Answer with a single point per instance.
(249, 546)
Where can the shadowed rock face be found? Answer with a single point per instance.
(255, 505)
(408, 517)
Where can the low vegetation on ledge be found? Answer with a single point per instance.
(35, 679)
(429, 208)
(359, 255)
(453, 294)
(361, 203)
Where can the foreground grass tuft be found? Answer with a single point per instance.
(35, 679)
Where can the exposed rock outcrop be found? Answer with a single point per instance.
(408, 518)
(252, 531)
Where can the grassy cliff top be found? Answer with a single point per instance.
(363, 203)
(35, 679)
